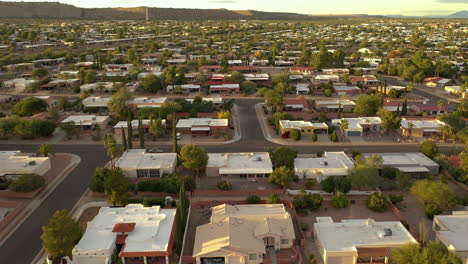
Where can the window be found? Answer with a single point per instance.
(284, 241)
(151, 173)
(252, 256)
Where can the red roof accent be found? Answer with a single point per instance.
(393, 104)
(120, 239)
(432, 107)
(123, 227)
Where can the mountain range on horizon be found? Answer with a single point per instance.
(65, 11)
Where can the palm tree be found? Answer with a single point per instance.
(157, 128)
(45, 150)
(446, 131)
(410, 128)
(344, 124)
(440, 104)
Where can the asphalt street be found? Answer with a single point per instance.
(25, 242)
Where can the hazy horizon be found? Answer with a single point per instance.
(371, 7)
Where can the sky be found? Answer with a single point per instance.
(371, 7)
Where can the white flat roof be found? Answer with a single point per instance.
(95, 101)
(147, 100)
(424, 124)
(153, 227)
(13, 162)
(85, 120)
(455, 232)
(207, 122)
(144, 122)
(241, 163)
(345, 88)
(402, 159)
(330, 160)
(225, 86)
(139, 159)
(355, 123)
(335, 102)
(299, 124)
(348, 235)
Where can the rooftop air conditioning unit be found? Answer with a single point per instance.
(259, 159)
(32, 163)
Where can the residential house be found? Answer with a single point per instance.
(88, 121)
(302, 88)
(19, 85)
(14, 164)
(145, 123)
(357, 241)
(360, 126)
(186, 88)
(239, 165)
(432, 108)
(325, 79)
(455, 90)
(320, 168)
(137, 163)
(99, 86)
(414, 163)
(145, 102)
(119, 67)
(296, 104)
(306, 127)
(452, 231)
(335, 71)
(436, 81)
(346, 105)
(347, 90)
(96, 102)
(202, 126)
(243, 233)
(225, 88)
(133, 232)
(420, 128)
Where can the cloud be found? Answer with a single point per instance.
(452, 1)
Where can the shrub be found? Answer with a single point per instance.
(135, 201)
(305, 200)
(304, 226)
(169, 183)
(27, 183)
(336, 183)
(339, 201)
(431, 210)
(274, 199)
(4, 184)
(295, 134)
(155, 201)
(333, 137)
(224, 185)
(377, 202)
(389, 173)
(396, 199)
(314, 137)
(253, 199)
(309, 184)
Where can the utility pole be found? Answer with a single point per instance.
(147, 15)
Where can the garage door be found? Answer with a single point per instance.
(353, 133)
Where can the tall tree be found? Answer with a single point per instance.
(193, 157)
(111, 146)
(118, 102)
(60, 235)
(343, 126)
(182, 212)
(157, 128)
(175, 147)
(124, 140)
(440, 104)
(404, 108)
(432, 253)
(116, 187)
(130, 132)
(141, 133)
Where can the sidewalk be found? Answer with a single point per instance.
(36, 202)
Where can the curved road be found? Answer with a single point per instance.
(25, 243)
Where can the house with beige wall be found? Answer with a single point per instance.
(452, 231)
(242, 234)
(356, 241)
(306, 127)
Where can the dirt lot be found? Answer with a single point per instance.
(199, 215)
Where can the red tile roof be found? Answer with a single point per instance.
(123, 227)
